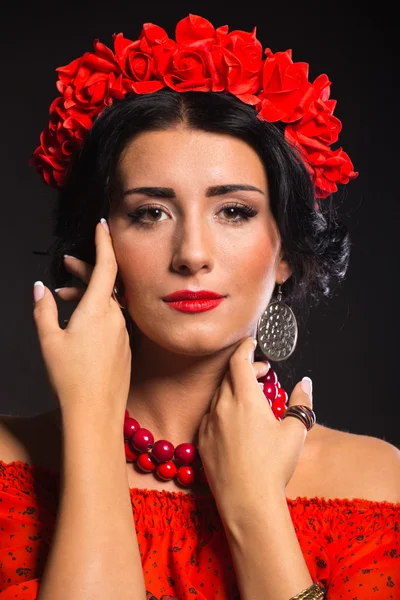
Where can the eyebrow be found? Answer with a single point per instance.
(215, 190)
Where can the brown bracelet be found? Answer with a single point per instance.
(314, 592)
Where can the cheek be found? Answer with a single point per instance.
(251, 261)
(139, 267)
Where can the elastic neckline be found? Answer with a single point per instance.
(306, 500)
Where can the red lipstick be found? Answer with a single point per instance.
(189, 295)
(189, 301)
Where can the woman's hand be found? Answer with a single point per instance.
(246, 452)
(89, 362)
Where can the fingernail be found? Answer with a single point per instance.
(38, 290)
(105, 225)
(58, 289)
(306, 385)
(69, 256)
(254, 342)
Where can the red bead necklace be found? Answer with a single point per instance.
(181, 463)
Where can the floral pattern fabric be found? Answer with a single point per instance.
(352, 546)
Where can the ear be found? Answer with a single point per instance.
(283, 271)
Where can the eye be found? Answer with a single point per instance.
(246, 212)
(137, 216)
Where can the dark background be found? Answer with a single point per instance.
(349, 344)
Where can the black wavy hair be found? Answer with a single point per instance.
(315, 243)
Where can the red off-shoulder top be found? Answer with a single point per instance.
(351, 546)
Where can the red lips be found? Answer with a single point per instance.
(189, 295)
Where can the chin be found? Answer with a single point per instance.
(192, 346)
(189, 343)
(203, 340)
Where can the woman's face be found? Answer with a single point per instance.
(191, 239)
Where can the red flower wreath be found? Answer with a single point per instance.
(201, 59)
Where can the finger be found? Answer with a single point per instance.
(215, 398)
(79, 268)
(260, 368)
(69, 294)
(45, 312)
(299, 397)
(102, 281)
(241, 368)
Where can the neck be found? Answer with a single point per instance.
(170, 393)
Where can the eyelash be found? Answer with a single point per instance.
(246, 211)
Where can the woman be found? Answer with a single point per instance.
(230, 497)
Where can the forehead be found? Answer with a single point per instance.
(190, 155)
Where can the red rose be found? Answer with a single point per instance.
(90, 83)
(57, 109)
(318, 125)
(193, 29)
(192, 66)
(241, 62)
(327, 168)
(286, 88)
(138, 61)
(193, 70)
(58, 142)
(317, 128)
(313, 135)
(321, 88)
(337, 168)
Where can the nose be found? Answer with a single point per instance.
(193, 245)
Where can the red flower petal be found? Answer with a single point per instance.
(193, 28)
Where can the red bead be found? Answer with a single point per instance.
(185, 453)
(282, 395)
(145, 462)
(185, 475)
(278, 408)
(270, 377)
(130, 454)
(142, 439)
(130, 426)
(162, 451)
(167, 470)
(270, 390)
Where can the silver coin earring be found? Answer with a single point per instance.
(277, 330)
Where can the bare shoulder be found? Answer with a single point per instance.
(12, 437)
(34, 440)
(357, 466)
(375, 464)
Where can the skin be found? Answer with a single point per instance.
(180, 359)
